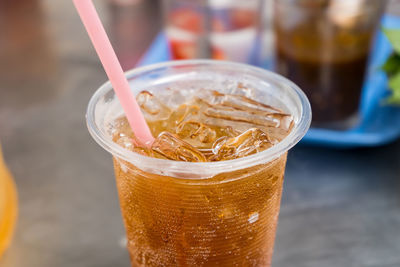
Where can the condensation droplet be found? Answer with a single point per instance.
(253, 217)
(124, 168)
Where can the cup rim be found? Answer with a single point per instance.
(211, 168)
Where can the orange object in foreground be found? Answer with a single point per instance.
(8, 206)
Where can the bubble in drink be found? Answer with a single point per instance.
(252, 141)
(151, 106)
(171, 147)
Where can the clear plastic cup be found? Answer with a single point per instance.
(200, 214)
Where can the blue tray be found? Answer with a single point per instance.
(379, 124)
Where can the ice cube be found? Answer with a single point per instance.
(206, 134)
(242, 89)
(241, 113)
(152, 107)
(245, 103)
(240, 102)
(184, 112)
(124, 129)
(188, 129)
(249, 142)
(171, 147)
(173, 98)
(242, 109)
(196, 130)
(229, 131)
(226, 113)
(208, 153)
(126, 142)
(276, 134)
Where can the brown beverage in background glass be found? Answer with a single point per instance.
(208, 191)
(323, 46)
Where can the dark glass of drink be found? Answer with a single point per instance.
(323, 46)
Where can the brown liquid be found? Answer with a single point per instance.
(187, 222)
(333, 88)
(326, 58)
(226, 220)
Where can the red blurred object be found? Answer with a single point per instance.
(201, 29)
(182, 50)
(243, 18)
(187, 50)
(188, 20)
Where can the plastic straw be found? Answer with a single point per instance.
(114, 71)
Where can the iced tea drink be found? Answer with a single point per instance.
(207, 192)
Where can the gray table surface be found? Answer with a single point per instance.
(339, 208)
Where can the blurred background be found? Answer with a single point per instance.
(341, 207)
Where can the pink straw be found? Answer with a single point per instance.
(114, 71)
